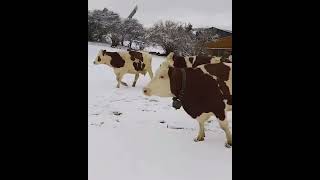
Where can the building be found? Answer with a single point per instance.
(214, 31)
(221, 47)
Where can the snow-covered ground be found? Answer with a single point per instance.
(134, 137)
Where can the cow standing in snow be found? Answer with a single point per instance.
(198, 91)
(132, 62)
(225, 83)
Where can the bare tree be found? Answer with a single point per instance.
(171, 36)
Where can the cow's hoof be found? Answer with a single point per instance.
(133, 85)
(125, 84)
(227, 145)
(198, 139)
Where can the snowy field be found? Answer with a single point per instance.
(135, 137)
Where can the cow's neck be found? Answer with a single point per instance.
(179, 92)
(183, 83)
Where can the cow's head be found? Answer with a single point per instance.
(160, 83)
(102, 58)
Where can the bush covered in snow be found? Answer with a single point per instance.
(107, 26)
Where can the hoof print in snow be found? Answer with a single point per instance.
(117, 120)
(153, 100)
(116, 113)
(146, 110)
(96, 114)
(162, 122)
(173, 127)
(97, 124)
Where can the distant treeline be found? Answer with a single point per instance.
(107, 26)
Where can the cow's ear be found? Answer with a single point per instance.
(170, 55)
(104, 52)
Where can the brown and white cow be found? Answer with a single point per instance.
(132, 62)
(201, 95)
(195, 61)
(190, 61)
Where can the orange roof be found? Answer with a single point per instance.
(222, 43)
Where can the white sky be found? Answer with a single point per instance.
(200, 13)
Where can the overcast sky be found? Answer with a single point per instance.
(200, 13)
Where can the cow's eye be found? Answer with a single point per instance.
(161, 77)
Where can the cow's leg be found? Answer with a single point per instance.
(118, 80)
(225, 127)
(221, 115)
(117, 73)
(122, 73)
(135, 79)
(119, 76)
(150, 73)
(201, 120)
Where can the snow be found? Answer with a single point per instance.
(154, 49)
(134, 137)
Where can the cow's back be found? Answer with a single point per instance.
(192, 61)
(199, 60)
(136, 61)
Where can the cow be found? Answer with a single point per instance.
(132, 62)
(190, 61)
(198, 91)
(195, 61)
